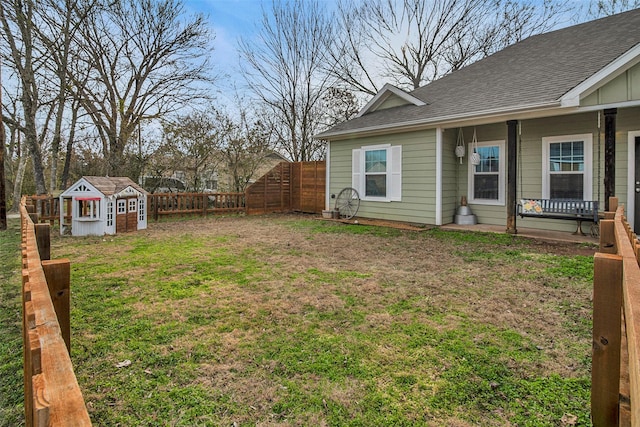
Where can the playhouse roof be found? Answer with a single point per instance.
(110, 185)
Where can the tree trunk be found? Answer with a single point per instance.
(17, 184)
(3, 192)
(67, 157)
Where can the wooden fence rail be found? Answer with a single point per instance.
(48, 208)
(52, 396)
(615, 377)
(298, 186)
(194, 203)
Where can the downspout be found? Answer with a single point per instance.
(512, 174)
(439, 176)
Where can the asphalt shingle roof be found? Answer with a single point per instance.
(110, 185)
(538, 70)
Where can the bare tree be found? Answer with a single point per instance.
(339, 105)
(15, 156)
(190, 141)
(412, 42)
(18, 31)
(142, 59)
(600, 8)
(3, 192)
(283, 67)
(244, 147)
(59, 21)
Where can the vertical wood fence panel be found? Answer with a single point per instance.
(298, 186)
(270, 193)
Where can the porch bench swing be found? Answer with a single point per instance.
(564, 209)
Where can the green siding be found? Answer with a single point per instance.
(392, 101)
(625, 87)
(418, 176)
(419, 168)
(530, 157)
(486, 214)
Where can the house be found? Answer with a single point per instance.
(103, 205)
(556, 115)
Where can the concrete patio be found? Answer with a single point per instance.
(533, 233)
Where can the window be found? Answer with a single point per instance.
(88, 208)
(141, 210)
(377, 172)
(132, 205)
(122, 206)
(566, 167)
(109, 214)
(486, 180)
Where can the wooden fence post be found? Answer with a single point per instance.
(605, 372)
(58, 274)
(608, 236)
(43, 240)
(613, 204)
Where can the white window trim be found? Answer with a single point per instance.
(94, 208)
(587, 138)
(501, 175)
(393, 173)
(630, 209)
(141, 203)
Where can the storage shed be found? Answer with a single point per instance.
(103, 205)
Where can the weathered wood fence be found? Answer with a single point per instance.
(298, 186)
(48, 208)
(52, 396)
(615, 373)
(179, 204)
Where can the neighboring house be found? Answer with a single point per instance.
(268, 162)
(160, 184)
(103, 205)
(556, 116)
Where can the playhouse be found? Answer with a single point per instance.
(98, 205)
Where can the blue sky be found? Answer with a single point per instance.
(230, 19)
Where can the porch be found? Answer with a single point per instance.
(532, 233)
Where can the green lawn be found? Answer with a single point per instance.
(287, 320)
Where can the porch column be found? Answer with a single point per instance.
(609, 155)
(512, 174)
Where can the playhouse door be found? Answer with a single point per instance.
(127, 215)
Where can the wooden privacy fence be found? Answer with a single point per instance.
(298, 186)
(288, 187)
(615, 373)
(52, 396)
(194, 203)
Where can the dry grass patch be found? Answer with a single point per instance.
(285, 320)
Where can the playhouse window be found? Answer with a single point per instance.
(377, 172)
(88, 208)
(486, 180)
(567, 167)
(141, 210)
(109, 214)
